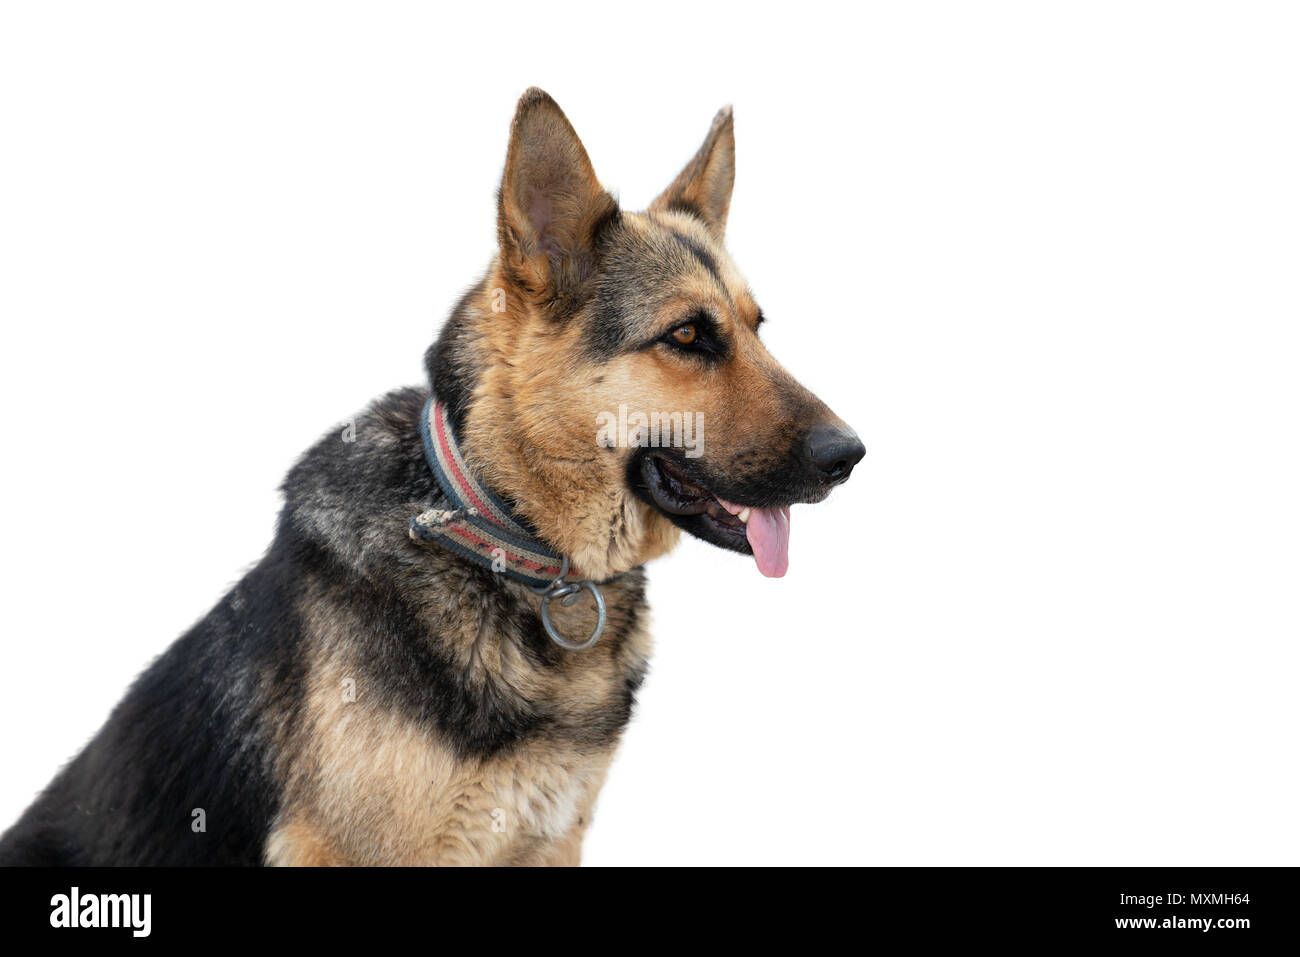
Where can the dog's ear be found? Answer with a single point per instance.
(551, 207)
(703, 188)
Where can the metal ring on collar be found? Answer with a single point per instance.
(568, 594)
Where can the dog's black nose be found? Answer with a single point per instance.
(833, 450)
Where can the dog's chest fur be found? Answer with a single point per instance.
(372, 787)
(434, 723)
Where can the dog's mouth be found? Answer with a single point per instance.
(761, 532)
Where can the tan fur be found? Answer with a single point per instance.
(296, 843)
(364, 785)
(542, 452)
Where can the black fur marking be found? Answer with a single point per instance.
(636, 273)
(606, 227)
(451, 366)
(706, 258)
(212, 722)
(607, 328)
(196, 731)
(687, 207)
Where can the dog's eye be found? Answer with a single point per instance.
(698, 336)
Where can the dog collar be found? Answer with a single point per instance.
(480, 526)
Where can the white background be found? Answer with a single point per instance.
(1043, 258)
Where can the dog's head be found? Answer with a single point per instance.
(608, 374)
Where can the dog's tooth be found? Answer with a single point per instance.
(744, 515)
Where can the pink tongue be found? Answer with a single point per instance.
(768, 531)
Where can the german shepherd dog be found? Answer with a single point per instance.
(406, 677)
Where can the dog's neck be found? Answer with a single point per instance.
(520, 437)
(479, 525)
